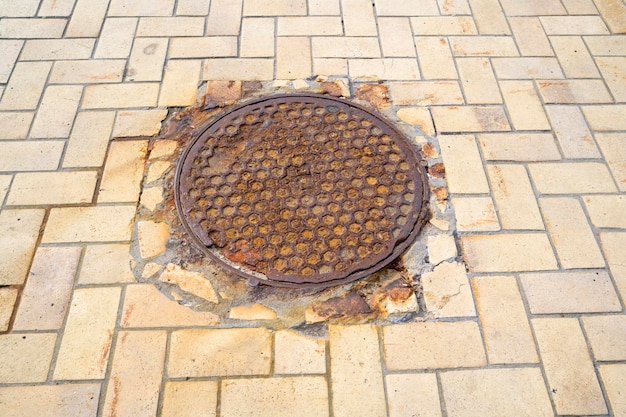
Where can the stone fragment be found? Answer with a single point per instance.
(221, 93)
(418, 116)
(337, 88)
(440, 248)
(375, 94)
(189, 281)
(395, 297)
(337, 307)
(152, 238)
(252, 312)
(447, 291)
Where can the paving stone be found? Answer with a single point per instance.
(274, 397)
(146, 61)
(571, 178)
(383, 69)
(136, 373)
(87, 72)
(309, 26)
(407, 8)
(454, 7)
(106, 264)
(514, 196)
(275, 8)
(479, 83)
(417, 116)
(220, 352)
(447, 291)
(506, 330)
(8, 298)
(189, 281)
(605, 117)
(527, 68)
(251, 312)
(32, 28)
(5, 183)
(358, 18)
(356, 371)
(424, 93)
(433, 345)
(614, 381)
(224, 17)
(15, 125)
(257, 37)
(525, 108)
(293, 58)
(185, 398)
(483, 46)
(141, 8)
(116, 37)
(162, 148)
(57, 49)
(606, 211)
(26, 357)
(192, 7)
(89, 139)
(20, 231)
(606, 45)
(530, 36)
(413, 395)
(495, 392)
(296, 353)
(455, 119)
(25, 8)
(570, 292)
(78, 400)
(396, 37)
(330, 66)
(580, 7)
(475, 214)
(443, 26)
(606, 335)
(345, 47)
(88, 333)
(87, 19)
(56, 7)
(573, 25)
(518, 147)
(574, 57)
(508, 253)
(48, 289)
(574, 91)
(464, 168)
(533, 7)
(52, 188)
(489, 17)
(324, 7)
(30, 156)
(613, 72)
(57, 111)
(89, 224)
(130, 123)
(180, 83)
(9, 50)
(572, 132)
(441, 248)
(170, 26)
(25, 86)
(613, 13)
(569, 370)
(123, 172)
(152, 238)
(613, 248)
(211, 47)
(435, 58)
(573, 239)
(232, 69)
(145, 306)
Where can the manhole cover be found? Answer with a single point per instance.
(301, 190)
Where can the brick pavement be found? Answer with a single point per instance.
(527, 102)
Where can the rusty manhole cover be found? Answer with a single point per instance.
(301, 190)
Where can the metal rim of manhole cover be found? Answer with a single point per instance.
(301, 190)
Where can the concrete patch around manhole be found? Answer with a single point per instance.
(164, 253)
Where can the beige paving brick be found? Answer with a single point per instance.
(525, 108)
(572, 132)
(5, 183)
(518, 147)
(356, 372)
(358, 18)
(495, 392)
(87, 19)
(52, 188)
(280, 397)
(87, 72)
(606, 211)
(568, 367)
(407, 8)
(396, 37)
(574, 91)
(507, 333)
(580, 7)
(571, 178)
(508, 253)
(247, 69)
(130, 123)
(479, 83)
(433, 345)
(56, 7)
(435, 58)
(88, 333)
(573, 25)
(15, 125)
(574, 57)
(8, 297)
(57, 111)
(384, 69)
(614, 381)
(330, 66)
(413, 395)
(25, 8)
(613, 248)
(275, 8)
(447, 292)
(141, 8)
(48, 289)
(425, 93)
(123, 172)
(220, 352)
(612, 146)
(443, 25)
(483, 46)
(89, 139)
(469, 119)
(25, 86)
(454, 7)
(79, 400)
(102, 96)
(180, 83)
(530, 36)
(170, 26)
(106, 264)
(573, 240)
(606, 335)
(89, 224)
(57, 49)
(533, 7)
(309, 26)
(9, 51)
(514, 197)
(184, 398)
(613, 13)
(293, 58)
(208, 47)
(133, 387)
(324, 7)
(346, 47)
(30, 156)
(614, 73)
(606, 45)
(298, 354)
(116, 37)
(527, 68)
(20, 231)
(489, 17)
(32, 28)
(475, 214)
(147, 59)
(224, 17)
(25, 357)
(605, 117)
(442, 248)
(192, 7)
(464, 170)
(417, 116)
